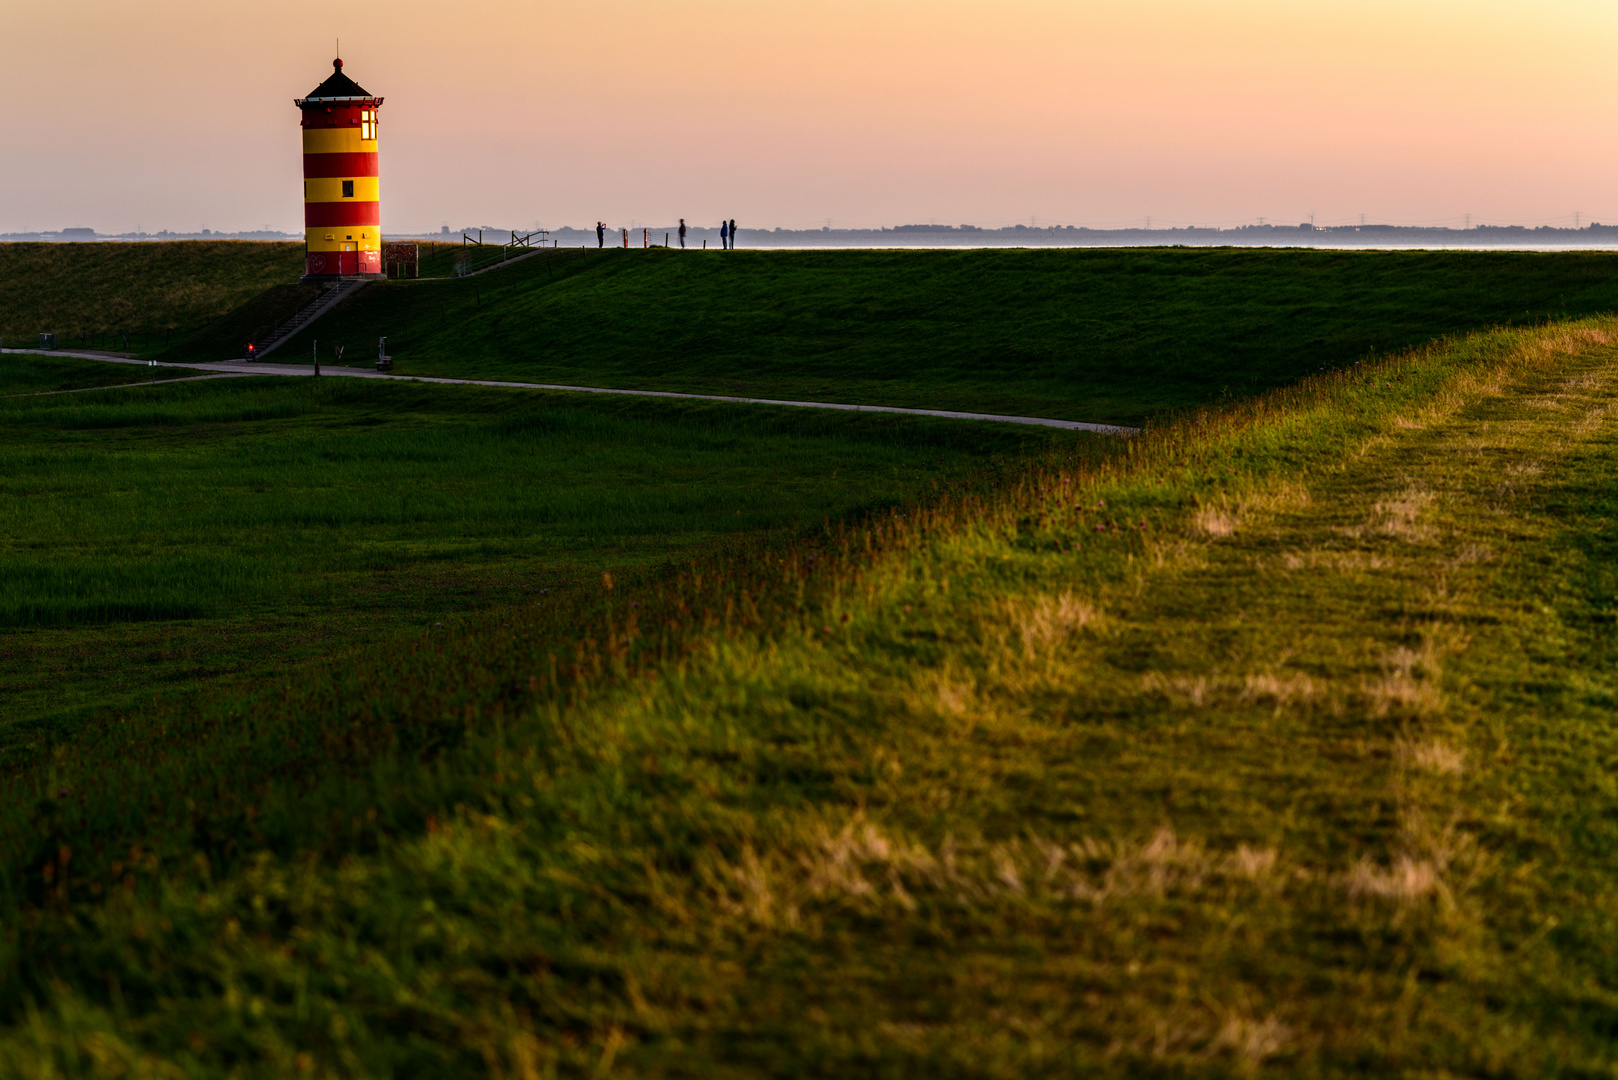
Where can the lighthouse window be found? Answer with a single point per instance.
(348, 189)
(367, 123)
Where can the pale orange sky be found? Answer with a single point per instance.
(178, 113)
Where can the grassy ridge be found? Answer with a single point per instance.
(153, 291)
(1102, 335)
(1091, 335)
(163, 536)
(1263, 749)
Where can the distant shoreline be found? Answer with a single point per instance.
(1593, 237)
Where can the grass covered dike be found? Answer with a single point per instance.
(1102, 335)
(93, 295)
(1277, 742)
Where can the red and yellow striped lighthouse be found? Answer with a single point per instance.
(342, 214)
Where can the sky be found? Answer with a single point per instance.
(178, 114)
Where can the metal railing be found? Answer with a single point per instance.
(517, 244)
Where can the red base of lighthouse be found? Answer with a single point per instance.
(331, 265)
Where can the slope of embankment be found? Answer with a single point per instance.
(133, 296)
(1092, 335)
(1281, 740)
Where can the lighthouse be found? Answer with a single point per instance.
(342, 214)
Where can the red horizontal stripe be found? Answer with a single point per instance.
(325, 214)
(319, 165)
(333, 115)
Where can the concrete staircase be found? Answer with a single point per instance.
(330, 296)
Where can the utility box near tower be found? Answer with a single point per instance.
(401, 260)
(342, 211)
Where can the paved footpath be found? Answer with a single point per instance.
(241, 367)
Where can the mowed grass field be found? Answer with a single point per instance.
(1278, 744)
(1112, 336)
(159, 538)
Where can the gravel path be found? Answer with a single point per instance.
(239, 367)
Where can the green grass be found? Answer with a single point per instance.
(91, 294)
(226, 337)
(448, 259)
(1278, 744)
(1099, 335)
(34, 373)
(1102, 335)
(385, 729)
(160, 538)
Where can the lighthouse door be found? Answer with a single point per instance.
(348, 260)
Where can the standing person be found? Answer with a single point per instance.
(724, 236)
(682, 234)
(733, 234)
(601, 234)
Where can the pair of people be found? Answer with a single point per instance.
(727, 234)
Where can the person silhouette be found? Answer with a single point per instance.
(601, 234)
(724, 236)
(682, 233)
(733, 234)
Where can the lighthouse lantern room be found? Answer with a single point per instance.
(342, 214)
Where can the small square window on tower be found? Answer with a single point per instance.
(348, 189)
